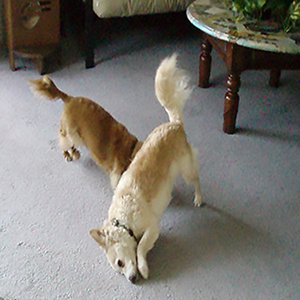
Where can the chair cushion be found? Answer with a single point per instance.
(127, 8)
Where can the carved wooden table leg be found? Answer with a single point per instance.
(42, 65)
(231, 103)
(275, 78)
(205, 63)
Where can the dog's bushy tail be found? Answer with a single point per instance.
(172, 87)
(46, 87)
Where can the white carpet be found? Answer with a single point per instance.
(244, 245)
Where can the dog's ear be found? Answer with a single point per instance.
(99, 236)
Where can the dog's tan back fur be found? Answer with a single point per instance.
(152, 163)
(109, 142)
(83, 121)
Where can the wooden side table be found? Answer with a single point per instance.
(241, 48)
(33, 31)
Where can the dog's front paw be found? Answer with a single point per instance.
(143, 269)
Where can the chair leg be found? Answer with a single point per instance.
(275, 78)
(42, 65)
(89, 35)
(231, 103)
(12, 61)
(205, 63)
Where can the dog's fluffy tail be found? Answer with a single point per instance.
(172, 88)
(46, 87)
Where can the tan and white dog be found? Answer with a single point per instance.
(144, 190)
(84, 122)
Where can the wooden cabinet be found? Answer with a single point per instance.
(33, 31)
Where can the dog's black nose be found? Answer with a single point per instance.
(132, 279)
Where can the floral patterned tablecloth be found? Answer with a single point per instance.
(216, 19)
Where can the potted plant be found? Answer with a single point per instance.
(286, 13)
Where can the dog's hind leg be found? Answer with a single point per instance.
(190, 172)
(67, 145)
(75, 154)
(146, 244)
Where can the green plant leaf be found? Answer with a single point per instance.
(261, 3)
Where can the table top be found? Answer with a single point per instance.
(216, 19)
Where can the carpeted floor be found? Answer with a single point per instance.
(243, 245)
